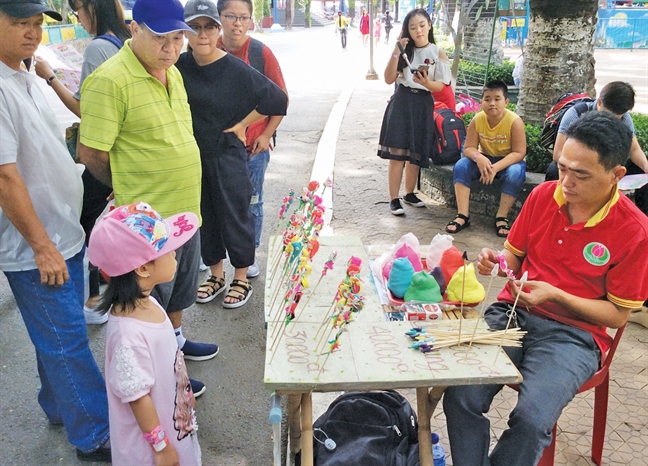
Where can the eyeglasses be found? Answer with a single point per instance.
(209, 30)
(232, 18)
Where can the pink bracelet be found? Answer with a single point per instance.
(475, 156)
(157, 438)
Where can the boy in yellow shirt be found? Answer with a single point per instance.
(495, 148)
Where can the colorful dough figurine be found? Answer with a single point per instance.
(400, 277)
(473, 291)
(424, 288)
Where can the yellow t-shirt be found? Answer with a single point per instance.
(147, 131)
(495, 141)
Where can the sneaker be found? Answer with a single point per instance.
(197, 387)
(199, 351)
(396, 207)
(413, 200)
(101, 454)
(93, 317)
(253, 270)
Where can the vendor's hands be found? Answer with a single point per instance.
(261, 144)
(167, 457)
(486, 260)
(42, 67)
(533, 292)
(51, 265)
(239, 130)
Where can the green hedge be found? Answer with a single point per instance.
(538, 158)
(474, 73)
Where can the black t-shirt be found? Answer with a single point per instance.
(224, 92)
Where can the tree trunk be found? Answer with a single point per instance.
(559, 55)
(290, 7)
(478, 35)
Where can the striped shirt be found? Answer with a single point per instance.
(147, 131)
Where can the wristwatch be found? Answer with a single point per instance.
(157, 438)
(50, 79)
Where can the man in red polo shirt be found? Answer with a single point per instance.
(583, 245)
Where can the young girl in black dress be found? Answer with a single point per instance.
(225, 95)
(407, 133)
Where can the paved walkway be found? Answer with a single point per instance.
(360, 207)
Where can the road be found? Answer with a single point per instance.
(233, 413)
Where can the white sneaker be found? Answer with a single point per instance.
(92, 316)
(253, 270)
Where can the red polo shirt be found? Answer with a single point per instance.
(603, 258)
(272, 71)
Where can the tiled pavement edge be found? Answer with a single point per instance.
(360, 203)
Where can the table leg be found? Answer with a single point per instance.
(434, 397)
(307, 429)
(294, 422)
(425, 442)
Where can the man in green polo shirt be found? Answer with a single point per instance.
(137, 137)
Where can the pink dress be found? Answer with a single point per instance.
(364, 24)
(143, 358)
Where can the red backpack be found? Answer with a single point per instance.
(450, 135)
(555, 115)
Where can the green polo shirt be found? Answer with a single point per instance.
(146, 130)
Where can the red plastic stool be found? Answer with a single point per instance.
(600, 382)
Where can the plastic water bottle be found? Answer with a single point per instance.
(275, 408)
(438, 453)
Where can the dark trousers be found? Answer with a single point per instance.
(95, 194)
(343, 37)
(228, 226)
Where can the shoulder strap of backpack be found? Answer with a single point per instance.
(112, 39)
(582, 107)
(255, 55)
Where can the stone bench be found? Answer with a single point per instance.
(436, 182)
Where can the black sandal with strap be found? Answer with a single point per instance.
(239, 289)
(504, 226)
(211, 288)
(458, 226)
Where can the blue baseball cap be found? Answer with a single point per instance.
(160, 16)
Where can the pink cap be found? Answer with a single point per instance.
(135, 234)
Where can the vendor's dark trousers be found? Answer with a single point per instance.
(641, 194)
(555, 360)
(228, 225)
(343, 37)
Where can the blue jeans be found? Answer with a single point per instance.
(73, 391)
(466, 171)
(555, 360)
(257, 166)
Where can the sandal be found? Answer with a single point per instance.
(240, 290)
(210, 288)
(504, 225)
(458, 226)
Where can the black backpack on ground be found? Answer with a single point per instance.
(369, 428)
(552, 121)
(450, 134)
